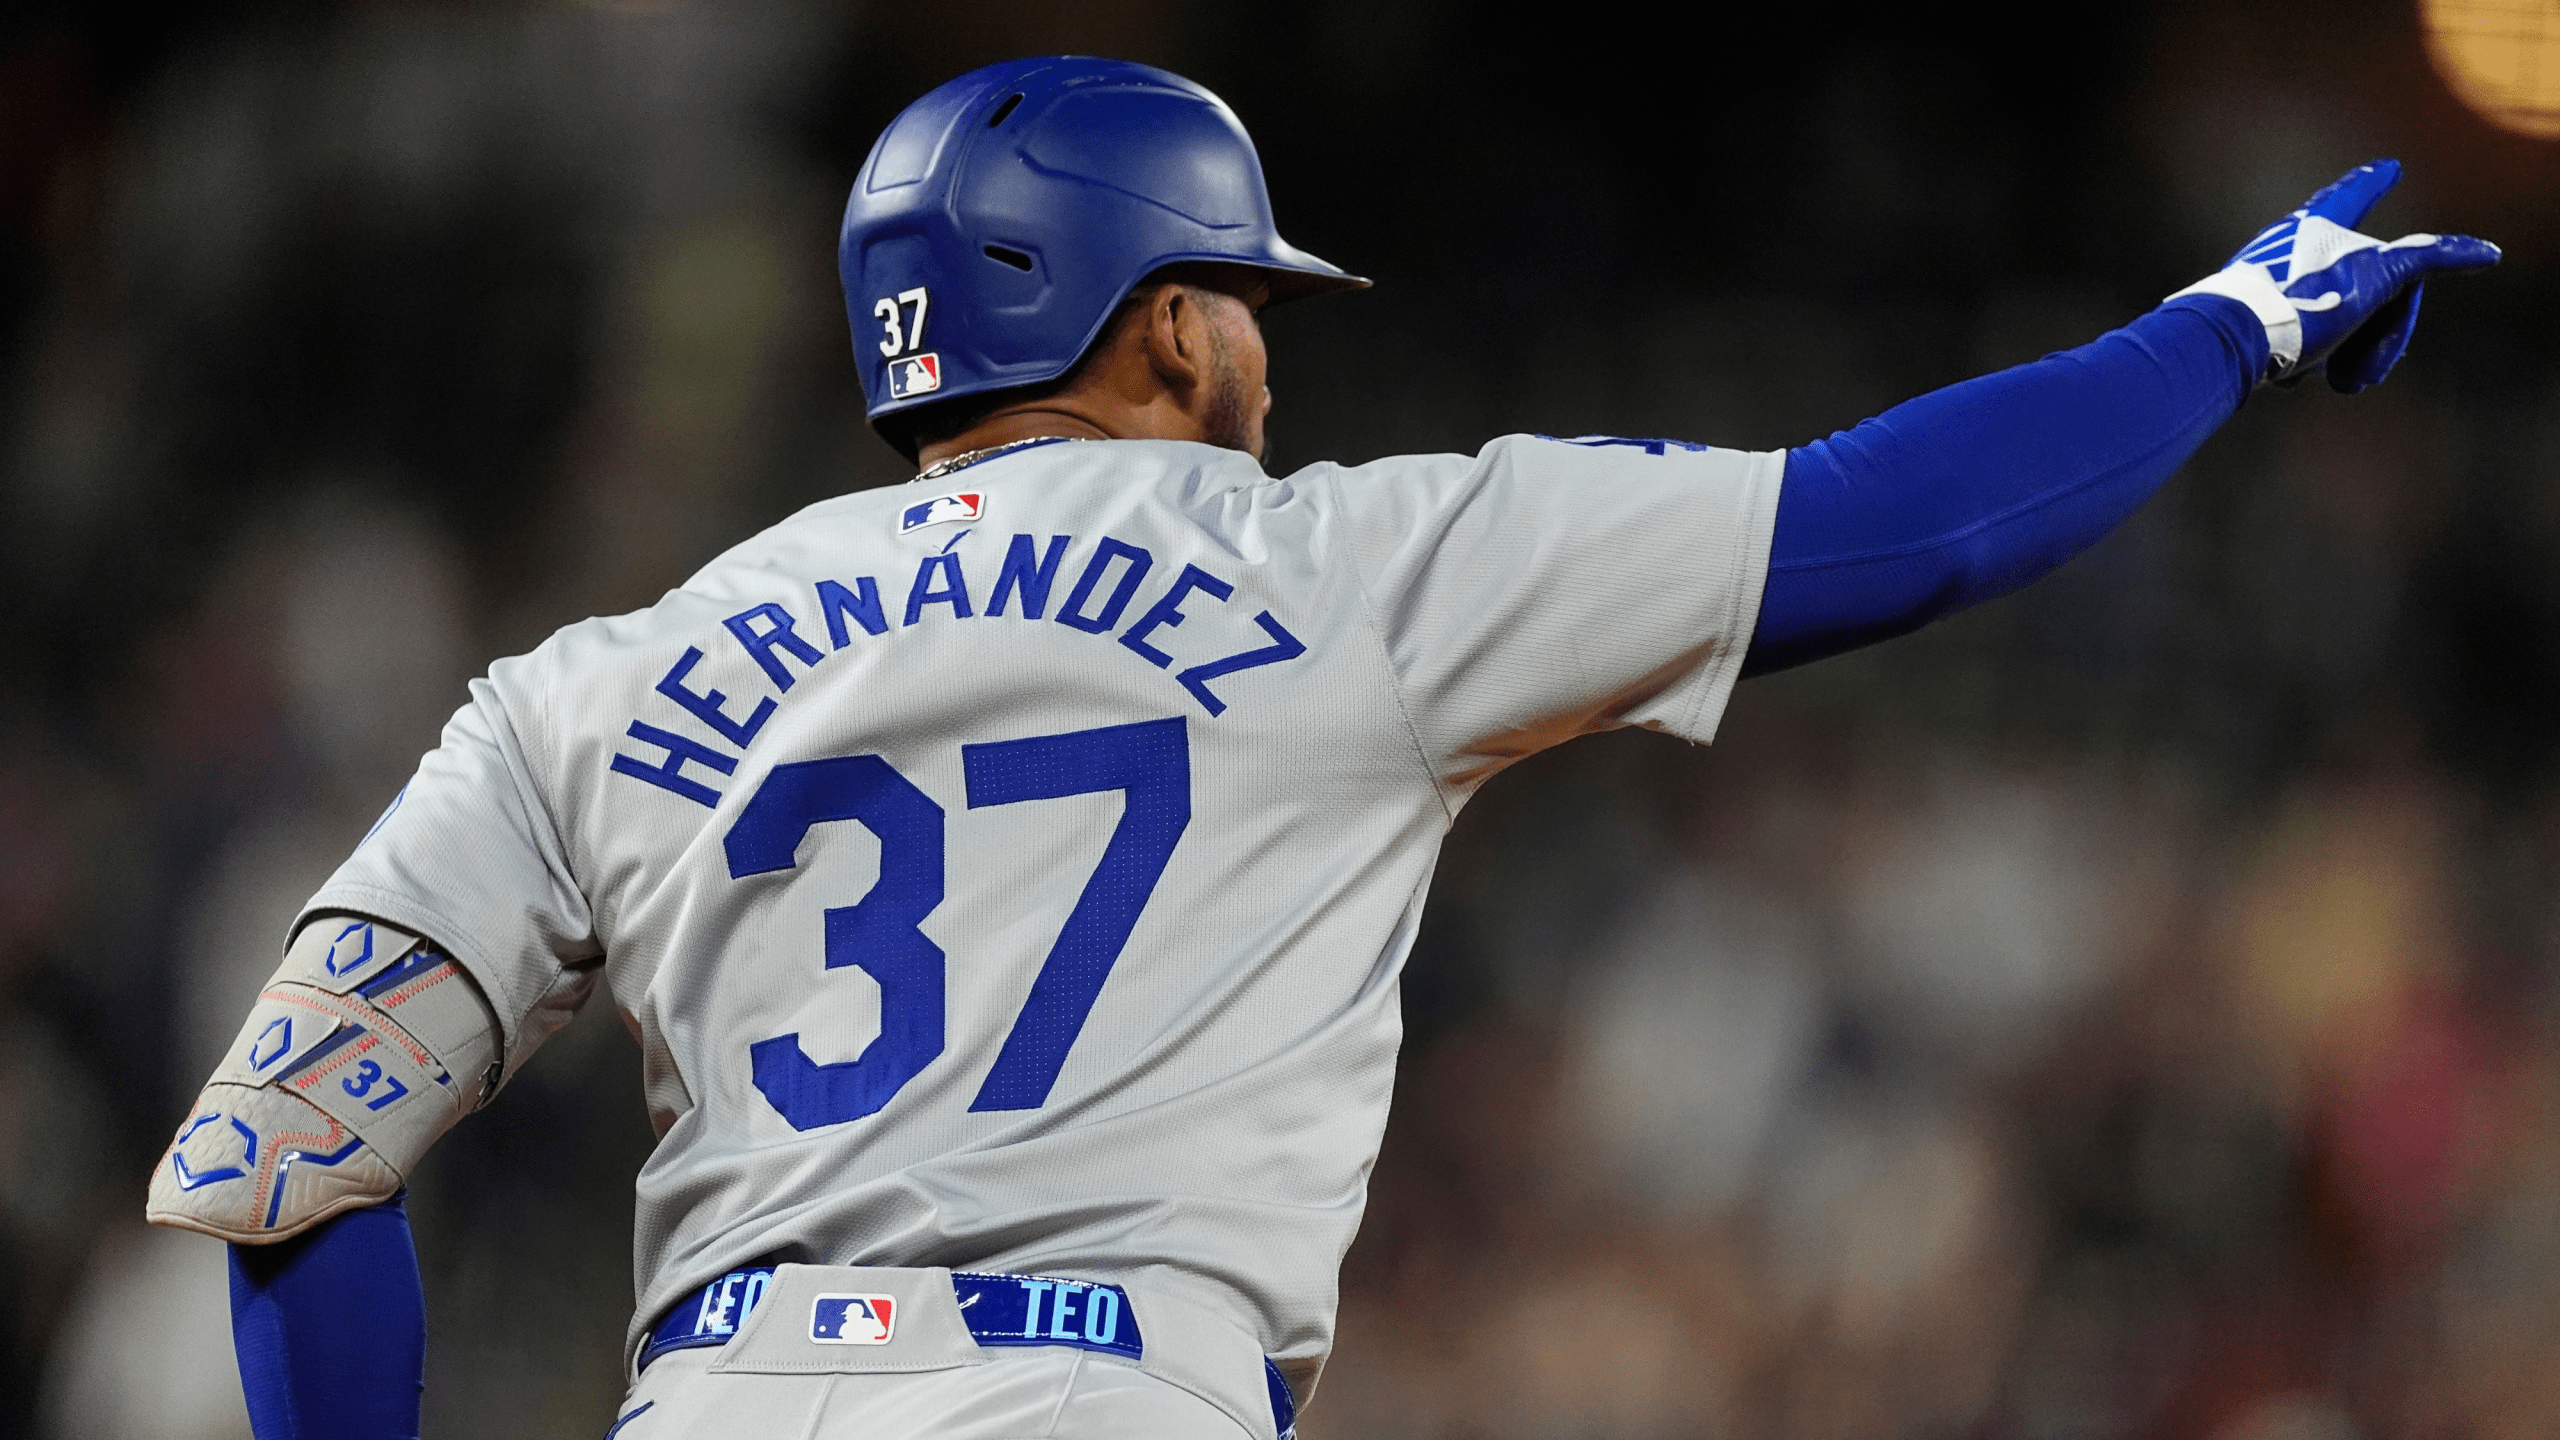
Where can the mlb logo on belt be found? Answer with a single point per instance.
(853, 1319)
(942, 510)
(915, 375)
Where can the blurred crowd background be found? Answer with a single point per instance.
(2125, 1011)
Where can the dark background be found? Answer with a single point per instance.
(2122, 1011)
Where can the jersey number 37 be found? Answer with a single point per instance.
(1150, 763)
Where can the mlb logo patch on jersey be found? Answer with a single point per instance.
(942, 510)
(915, 375)
(853, 1319)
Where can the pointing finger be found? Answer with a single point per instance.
(2426, 254)
(2346, 200)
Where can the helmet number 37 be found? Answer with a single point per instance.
(890, 311)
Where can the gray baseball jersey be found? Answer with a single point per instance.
(1013, 871)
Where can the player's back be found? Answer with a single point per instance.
(1039, 924)
(1013, 872)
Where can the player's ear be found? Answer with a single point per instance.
(1177, 340)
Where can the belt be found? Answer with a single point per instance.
(998, 1308)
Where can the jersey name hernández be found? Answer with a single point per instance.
(1016, 875)
(1109, 577)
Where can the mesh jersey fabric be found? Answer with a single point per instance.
(1211, 1121)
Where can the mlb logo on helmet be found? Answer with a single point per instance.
(853, 1319)
(915, 375)
(942, 510)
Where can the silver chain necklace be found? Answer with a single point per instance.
(967, 458)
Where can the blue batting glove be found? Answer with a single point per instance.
(2330, 296)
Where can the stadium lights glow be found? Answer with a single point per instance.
(2500, 57)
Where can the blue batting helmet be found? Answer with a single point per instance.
(1002, 218)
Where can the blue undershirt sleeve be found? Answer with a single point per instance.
(331, 1329)
(1973, 491)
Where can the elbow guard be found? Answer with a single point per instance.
(366, 1046)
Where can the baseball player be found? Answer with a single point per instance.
(1007, 876)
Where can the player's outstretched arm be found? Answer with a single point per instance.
(1970, 492)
